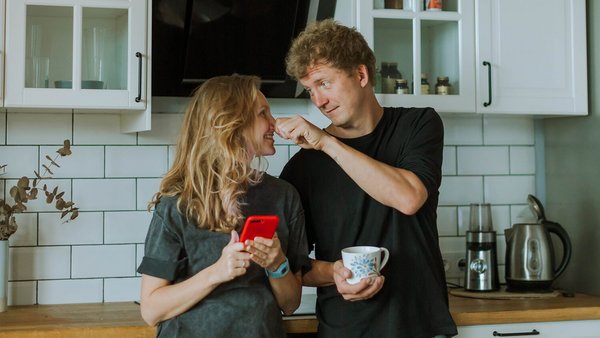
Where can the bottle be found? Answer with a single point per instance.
(389, 75)
(442, 87)
(424, 84)
(402, 86)
(433, 5)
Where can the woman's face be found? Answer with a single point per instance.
(262, 133)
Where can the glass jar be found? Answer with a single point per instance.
(402, 86)
(442, 87)
(424, 84)
(389, 75)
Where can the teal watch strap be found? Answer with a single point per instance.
(281, 271)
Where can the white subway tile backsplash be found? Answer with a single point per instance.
(508, 130)
(40, 262)
(508, 189)
(22, 293)
(126, 226)
(277, 161)
(446, 221)
(462, 130)
(139, 254)
(460, 190)
(165, 129)
(70, 291)
(449, 162)
(136, 161)
(104, 194)
(112, 176)
(20, 161)
(146, 188)
(172, 152)
(122, 289)
(91, 261)
(482, 160)
(100, 129)
(27, 225)
(85, 229)
(522, 160)
(38, 128)
(85, 161)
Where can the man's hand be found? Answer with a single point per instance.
(365, 289)
(301, 132)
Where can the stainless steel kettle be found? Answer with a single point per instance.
(530, 261)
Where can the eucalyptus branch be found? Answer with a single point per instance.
(23, 193)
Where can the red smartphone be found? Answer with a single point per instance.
(259, 226)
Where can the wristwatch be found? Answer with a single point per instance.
(281, 271)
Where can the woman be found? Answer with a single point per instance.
(198, 280)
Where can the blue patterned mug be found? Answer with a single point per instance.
(364, 261)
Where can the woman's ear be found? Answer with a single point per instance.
(363, 75)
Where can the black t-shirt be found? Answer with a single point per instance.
(413, 301)
(176, 249)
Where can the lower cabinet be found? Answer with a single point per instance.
(562, 329)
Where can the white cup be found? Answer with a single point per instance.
(364, 261)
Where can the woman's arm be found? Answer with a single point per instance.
(268, 254)
(161, 300)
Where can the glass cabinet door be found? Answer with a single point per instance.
(425, 56)
(77, 53)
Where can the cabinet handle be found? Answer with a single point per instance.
(139, 96)
(533, 332)
(489, 65)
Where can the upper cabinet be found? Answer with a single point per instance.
(484, 56)
(531, 57)
(88, 55)
(433, 49)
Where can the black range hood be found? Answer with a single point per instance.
(194, 40)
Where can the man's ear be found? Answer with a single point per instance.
(363, 75)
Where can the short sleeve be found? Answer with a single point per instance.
(164, 256)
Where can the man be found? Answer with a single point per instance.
(370, 178)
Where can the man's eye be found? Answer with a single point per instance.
(326, 84)
(308, 91)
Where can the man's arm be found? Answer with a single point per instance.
(325, 273)
(395, 187)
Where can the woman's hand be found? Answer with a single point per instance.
(234, 261)
(266, 252)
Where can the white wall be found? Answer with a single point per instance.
(111, 177)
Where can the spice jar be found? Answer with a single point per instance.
(394, 4)
(402, 86)
(424, 84)
(389, 75)
(433, 5)
(442, 87)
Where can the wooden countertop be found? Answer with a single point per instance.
(124, 320)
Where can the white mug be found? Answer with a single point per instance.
(364, 261)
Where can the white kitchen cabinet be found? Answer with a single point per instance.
(86, 55)
(562, 329)
(536, 57)
(534, 53)
(437, 43)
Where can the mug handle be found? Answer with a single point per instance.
(386, 255)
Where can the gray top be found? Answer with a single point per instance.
(177, 249)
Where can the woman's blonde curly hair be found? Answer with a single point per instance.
(328, 42)
(211, 171)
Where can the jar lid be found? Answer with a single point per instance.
(442, 78)
(403, 81)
